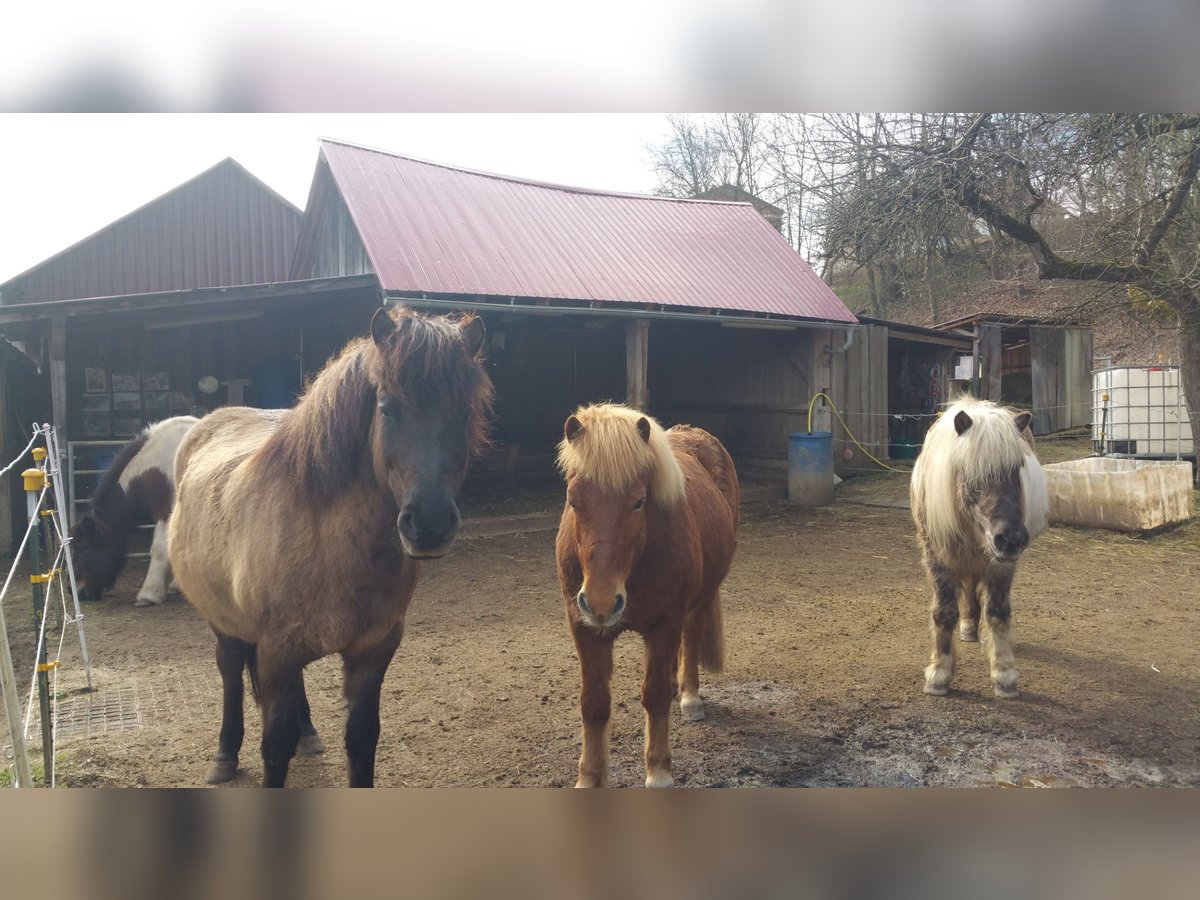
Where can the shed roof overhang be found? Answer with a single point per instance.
(610, 309)
(25, 321)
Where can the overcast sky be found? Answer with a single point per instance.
(63, 177)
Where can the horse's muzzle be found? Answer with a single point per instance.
(598, 619)
(426, 531)
(1009, 543)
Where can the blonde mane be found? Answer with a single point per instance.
(609, 450)
(983, 454)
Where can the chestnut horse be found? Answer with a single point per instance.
(978, 498)
(296, 533)
(646, 538)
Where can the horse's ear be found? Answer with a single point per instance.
(962, 421)
(382, 326)
(571, 428)
(643, 427)
(473, 333)
(1023, 419)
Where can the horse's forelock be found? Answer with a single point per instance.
(426, 362)
(989, 452)
(609, 451)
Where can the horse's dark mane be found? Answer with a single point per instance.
(322, 441)
(109, 486)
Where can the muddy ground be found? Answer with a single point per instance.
(827, 630)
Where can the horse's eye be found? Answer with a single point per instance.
(389, 409)
(639, 504)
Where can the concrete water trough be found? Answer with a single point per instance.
(1119, 494)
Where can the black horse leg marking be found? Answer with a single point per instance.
(999, 643)
(231, 660)
(945, 616)
(968, 625)
(310, 741)
(281, 686)
(363, 675)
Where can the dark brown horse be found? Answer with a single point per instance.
(296, 533)
(646, 538)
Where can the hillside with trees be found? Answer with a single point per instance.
(924, 218)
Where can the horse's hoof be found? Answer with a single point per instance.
(310, 745)
(147, 601)
(660, 780)
(693, 710)
(936, 690)
(969, 635)
(221, 770)
(1006, 692)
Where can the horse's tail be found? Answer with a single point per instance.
(252, 669)
(710, 634)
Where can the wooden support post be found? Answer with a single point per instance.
(637, 357)
(58, 374)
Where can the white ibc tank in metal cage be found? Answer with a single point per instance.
(1140, 411)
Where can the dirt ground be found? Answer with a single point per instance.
(827, 629)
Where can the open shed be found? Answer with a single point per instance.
(1039, 364)
(697, 311)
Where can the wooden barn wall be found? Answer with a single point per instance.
(1061, 370)
(544, 368)
(339, 249)
(750, 388)
(1079, 377)
(859, 382)
(141, 375)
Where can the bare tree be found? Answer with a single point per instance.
(1103, 198)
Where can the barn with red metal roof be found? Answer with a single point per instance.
(696, 310)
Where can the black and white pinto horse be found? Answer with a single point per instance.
(137, 489)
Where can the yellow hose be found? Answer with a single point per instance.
(849, 433)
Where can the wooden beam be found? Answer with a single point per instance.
(58, 375)
(637, 356)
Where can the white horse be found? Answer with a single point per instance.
(978, 498)
(137, 489)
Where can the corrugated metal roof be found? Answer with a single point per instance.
(223, 227)
(437, 229)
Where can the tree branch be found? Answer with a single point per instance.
(1187, 178)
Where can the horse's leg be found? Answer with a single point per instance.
(363, 672)
(310, 741)
(690, 704)
(945, 616)
(595, 704)
(231, 660)
(999, 648)
(968, 610)
(662, 648)
(154, 588)
(281, 692)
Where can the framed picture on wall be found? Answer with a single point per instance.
(156, 381)
(129, 401)
(97, 425)
(156, 401)
(95, 380)
(97, 403)
(126, 427)
(125, 381)
(181, 402)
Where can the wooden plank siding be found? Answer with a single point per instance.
(991, 362)
(1047, 347)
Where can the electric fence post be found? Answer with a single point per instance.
(35, 483)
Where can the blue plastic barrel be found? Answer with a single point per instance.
(810, 468)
